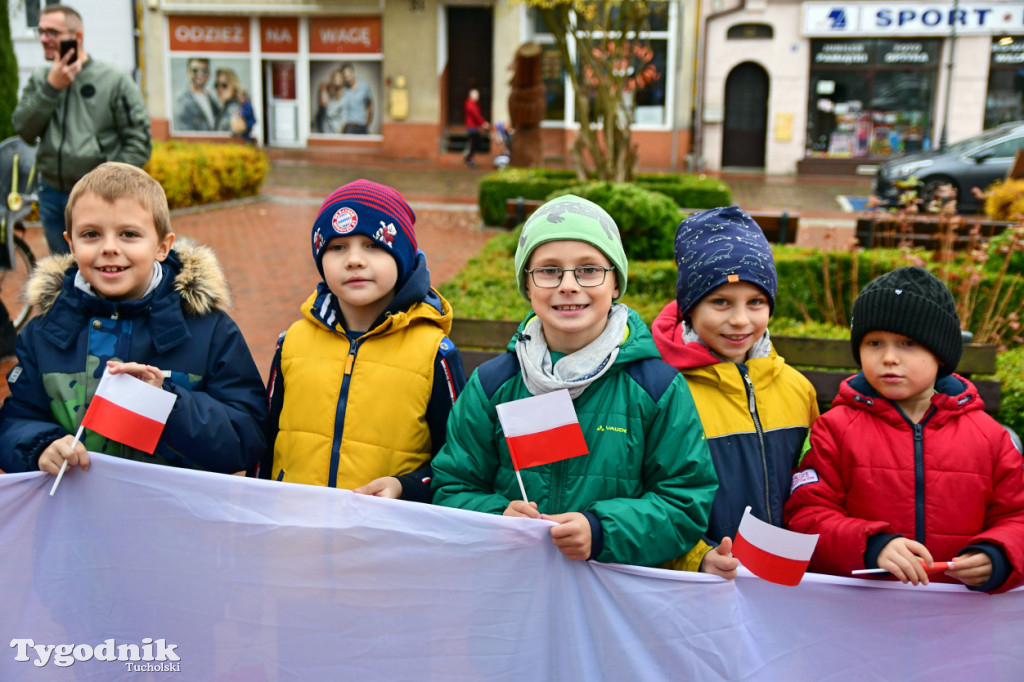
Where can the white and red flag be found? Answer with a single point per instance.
(540, 430)
(129, 411)
(771, 553)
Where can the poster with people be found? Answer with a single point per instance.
(208, 93)
(344, 97)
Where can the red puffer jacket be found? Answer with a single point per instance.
(953, 480)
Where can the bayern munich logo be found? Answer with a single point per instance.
(345, 220)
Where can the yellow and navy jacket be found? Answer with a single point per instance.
(347, 407)
(756, 416)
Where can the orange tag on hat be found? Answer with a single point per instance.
(732, 279)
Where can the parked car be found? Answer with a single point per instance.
(975, 162)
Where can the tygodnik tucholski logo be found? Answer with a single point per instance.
(151, 656)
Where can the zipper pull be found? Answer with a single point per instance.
(750, 392)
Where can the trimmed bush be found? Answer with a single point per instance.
(193, 174)
(687, 191)
(485, 288)
(1010, 371)
(512, 183)
(647, 220)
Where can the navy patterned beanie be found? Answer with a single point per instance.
(371, 209)
(719, 246)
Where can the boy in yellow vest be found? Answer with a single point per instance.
(361, 386)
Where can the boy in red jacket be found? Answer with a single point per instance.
(907, 469)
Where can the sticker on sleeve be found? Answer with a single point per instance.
(803, 478)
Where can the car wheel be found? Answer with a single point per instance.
(940, 189)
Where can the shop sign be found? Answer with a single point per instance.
(344, 35)
(279, 34)
(208, 34)
(875, 52)
(1010, 53)
(821, 19)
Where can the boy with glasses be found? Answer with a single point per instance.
(83, 111)
(643, 492)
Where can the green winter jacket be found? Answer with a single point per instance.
(99, 117)
(648, 477)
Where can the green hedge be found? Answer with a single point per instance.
(687, 191)
(1010, 371)
(647, 220)
(485, 288)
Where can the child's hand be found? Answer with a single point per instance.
(148, 373)
(520, 508)
(903, 557)
(59, 450)
(386, 486)
(720, 561)
(972, 568)
(571, 535)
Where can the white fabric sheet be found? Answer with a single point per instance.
(258, 580)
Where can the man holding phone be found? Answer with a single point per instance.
(83, 111)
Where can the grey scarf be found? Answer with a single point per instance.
(575, 371)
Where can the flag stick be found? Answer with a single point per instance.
(521, 488)
(64, 466)
(939, 566)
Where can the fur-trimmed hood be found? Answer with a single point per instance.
(198, 279)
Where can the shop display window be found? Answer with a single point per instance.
(871, 98)
(1004, 101)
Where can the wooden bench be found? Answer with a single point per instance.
(825, 362)
(778, 228)
(925, 231)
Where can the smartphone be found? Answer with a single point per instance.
(69, 45)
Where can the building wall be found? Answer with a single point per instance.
(784, 58)
(107, 29)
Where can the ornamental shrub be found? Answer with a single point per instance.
(193, 174)
(647, 220)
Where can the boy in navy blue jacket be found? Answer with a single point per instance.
(124, 299)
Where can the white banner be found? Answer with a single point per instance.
(212, 577)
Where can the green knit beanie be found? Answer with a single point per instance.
(570, 217)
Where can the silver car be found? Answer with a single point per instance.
(975, 162)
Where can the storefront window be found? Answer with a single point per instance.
(1005, 99)
(647, 70)
(871, 97)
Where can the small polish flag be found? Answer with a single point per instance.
(540, 430)
(129, 411)
(771, 553)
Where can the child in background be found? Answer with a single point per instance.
(123, 299)
(361, 387)
(756, 409)
(642, 494)
(907, 468)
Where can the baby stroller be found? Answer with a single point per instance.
(501, 138)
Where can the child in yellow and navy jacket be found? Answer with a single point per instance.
(361, 386)
(756, 409)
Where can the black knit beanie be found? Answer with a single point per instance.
(913, 302)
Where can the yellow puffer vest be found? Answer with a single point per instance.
(354, 412)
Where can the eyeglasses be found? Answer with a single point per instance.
(50, 33)
(199, 69)
(221, 85)
(586, 276)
